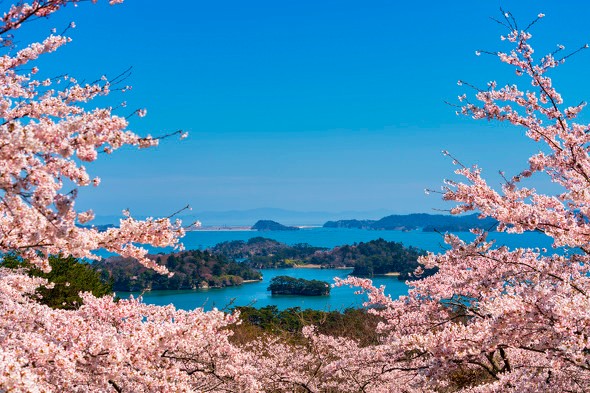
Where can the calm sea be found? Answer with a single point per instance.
(340, 298)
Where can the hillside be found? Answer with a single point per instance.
(375, 257)
(424, 221)
(269, 225)
(351, 224)
(192, 269)
(260, 252)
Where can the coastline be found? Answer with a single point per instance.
(307, 266)
(222, 228)
(250, 281)
(312, 266)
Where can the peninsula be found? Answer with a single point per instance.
(191, 270)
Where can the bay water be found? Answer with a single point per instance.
(255, 294)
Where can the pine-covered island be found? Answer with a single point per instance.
(285, 285)
(270, 225)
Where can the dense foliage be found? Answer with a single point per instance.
(263, 253)
(67, 278)
(374, 257)
(191, 269)
(285, 285)
(352, 323)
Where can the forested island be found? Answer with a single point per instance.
(263, 253)
(426, 222)
(192, 269)
(269, 225)
(285, 285)
(376, 257)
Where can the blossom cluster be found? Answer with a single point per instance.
(45, 135)
(491, 320)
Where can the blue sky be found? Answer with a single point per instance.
(302, 105)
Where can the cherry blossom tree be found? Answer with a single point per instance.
(46, 133)
(494, 319)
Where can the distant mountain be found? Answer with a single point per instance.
(356, 224)
(371, 219)
(269, 225)
(247, 217)
(428, 223)
(284, 216)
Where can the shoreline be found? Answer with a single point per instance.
(240, 228)
(312, 266)
(307, 266)
(222, 228)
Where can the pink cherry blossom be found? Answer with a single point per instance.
(491, 320)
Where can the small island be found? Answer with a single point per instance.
(269, 225)
(285, 285)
